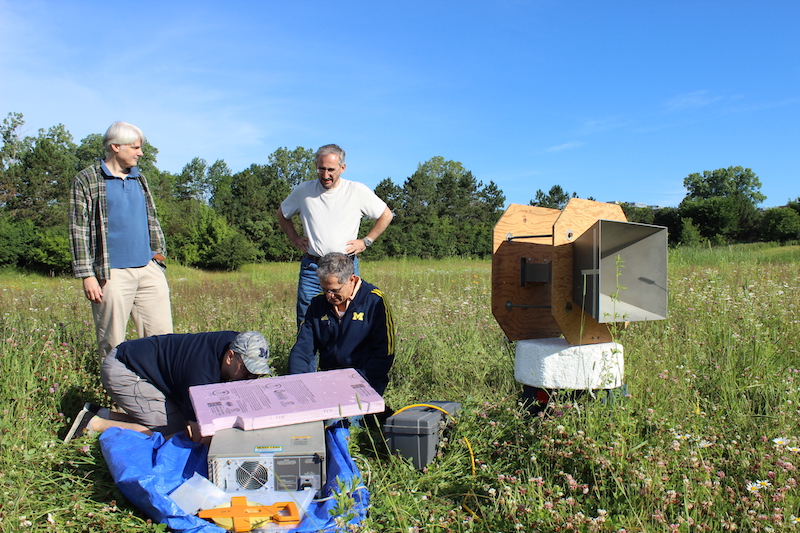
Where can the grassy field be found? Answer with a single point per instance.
(708, 438)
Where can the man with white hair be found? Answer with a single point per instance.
(117, 244)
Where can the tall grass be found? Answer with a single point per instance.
(706, 440)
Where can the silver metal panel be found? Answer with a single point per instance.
(620, 271)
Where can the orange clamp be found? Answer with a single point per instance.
(241, 513)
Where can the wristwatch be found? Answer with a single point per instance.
(367, 242)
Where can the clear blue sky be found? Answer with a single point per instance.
(618, 100)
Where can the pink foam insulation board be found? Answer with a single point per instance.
(282, 400)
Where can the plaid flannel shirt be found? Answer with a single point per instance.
(88, 223)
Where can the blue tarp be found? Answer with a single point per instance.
(146, 469)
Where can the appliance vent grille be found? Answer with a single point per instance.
(252, 475)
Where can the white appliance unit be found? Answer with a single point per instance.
(280, 459)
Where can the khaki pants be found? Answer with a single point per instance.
(139, 293)
(140, 399)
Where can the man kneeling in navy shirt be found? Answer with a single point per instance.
(149, 378)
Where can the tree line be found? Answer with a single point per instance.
(216, 219)
(720, 207)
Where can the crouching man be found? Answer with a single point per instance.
(149, 378)
(349, 325)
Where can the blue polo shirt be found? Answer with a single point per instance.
(128, 232)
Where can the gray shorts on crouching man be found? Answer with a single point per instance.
(140, 400)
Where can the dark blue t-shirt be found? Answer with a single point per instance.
(175, 362)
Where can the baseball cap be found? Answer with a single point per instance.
(254, 350)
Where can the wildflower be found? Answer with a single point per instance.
(780, 441)
(763, 483)
(753, 488)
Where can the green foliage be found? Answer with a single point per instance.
(220, 247)
(690, 234)
(41, 177)
(293, 166)
(390, 193)
(251, 204)
(218, 177)
(200, 237)
(670, 218)
(16, 240)
(722, 203)
(794, 204)
(641, 215)
(200, 181)
(13, 146)
(780, 224)
(147, 163)
(90, 150)
(556, 198)
(192, 182)
(712, 216)
(50, 252)
(725, 182)
(440, 211)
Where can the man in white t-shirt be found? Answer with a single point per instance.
(330, 209)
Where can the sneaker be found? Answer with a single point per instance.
(99, 410)
(80, 425)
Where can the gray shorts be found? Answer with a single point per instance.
(139, 398)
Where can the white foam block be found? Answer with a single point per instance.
(554, 364)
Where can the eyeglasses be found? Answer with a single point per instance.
(338, 290)
(322, 170)
(334, 291)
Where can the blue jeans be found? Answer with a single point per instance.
(308, 286)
